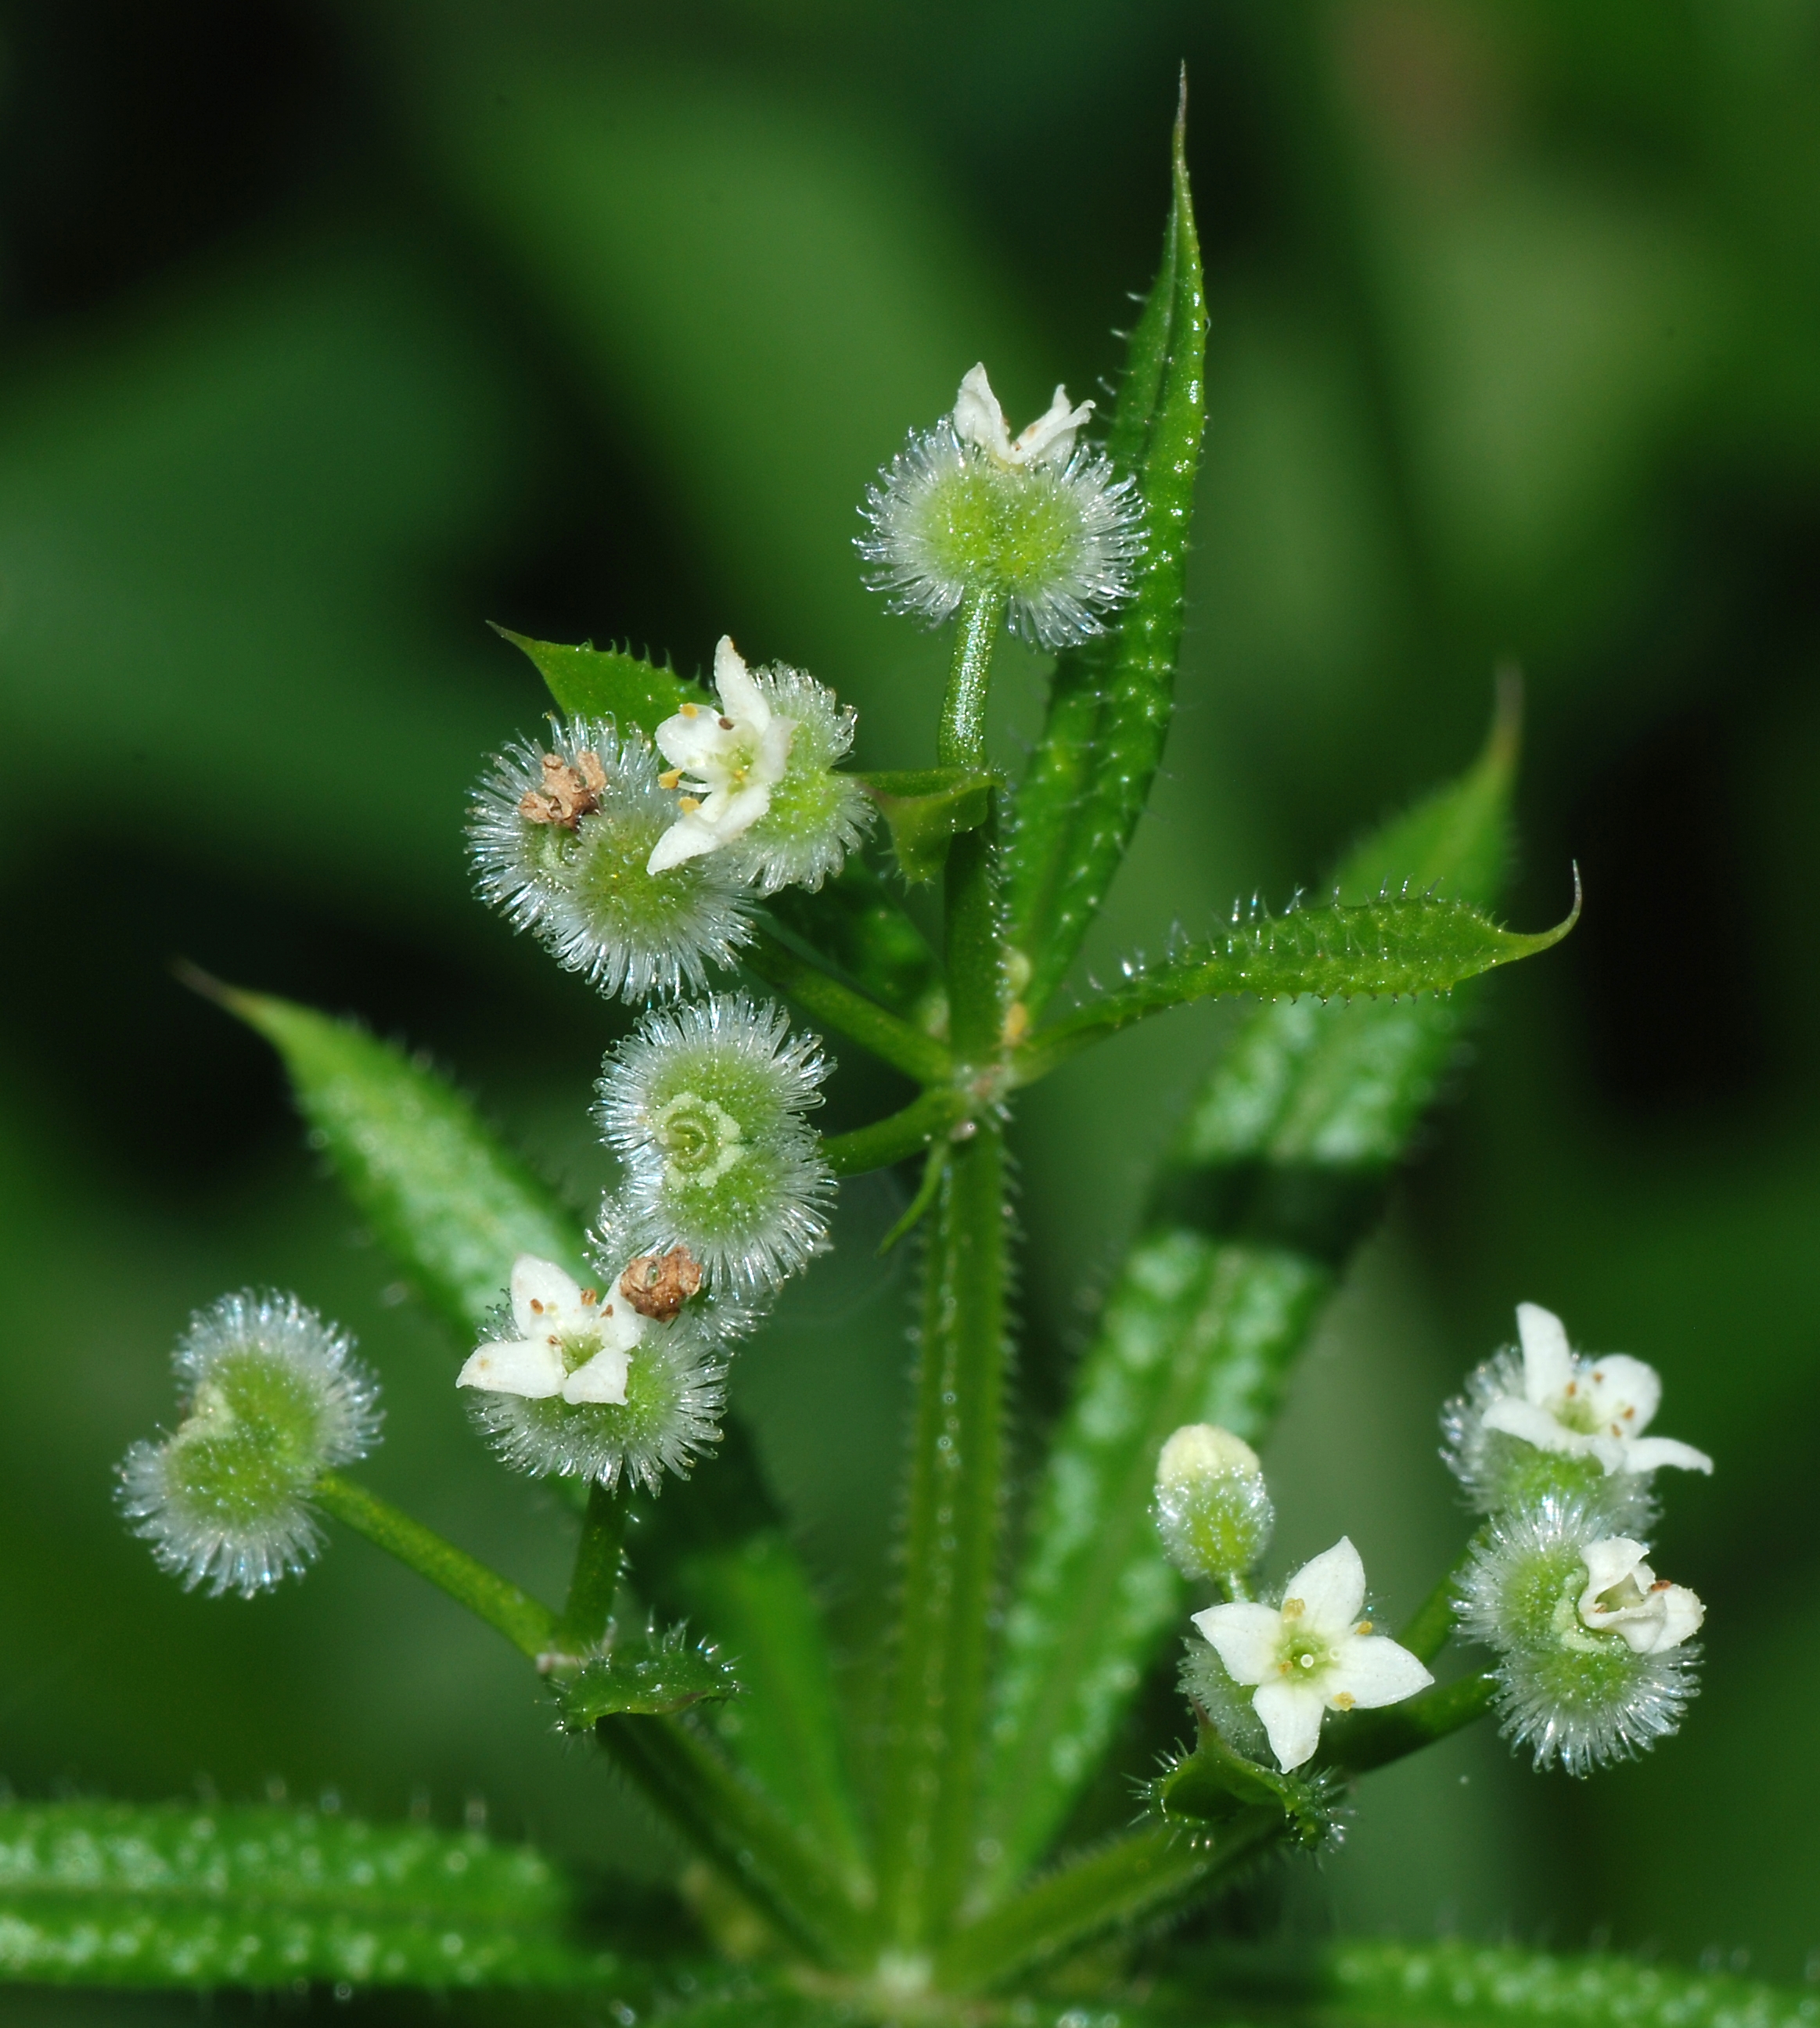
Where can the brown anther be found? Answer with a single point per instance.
(690, 804)
(1017, 1024)
(1293, 1609)
(568, 794)
(537, 1306)
(657, 1284)
(726, 725)
(670, 777)
(1628, 1412)
(590, 1295)
(1364, 1626)
(1574, 1385)
(1662, 1584)
(1344, 1701)
(1599, 1376)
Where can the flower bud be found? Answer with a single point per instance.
(272, 1401)
(1594, 1660)
(704, 1104)
(562, 840)
(1213, 1509)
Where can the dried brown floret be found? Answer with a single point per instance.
(658, 1284)
(568, 794)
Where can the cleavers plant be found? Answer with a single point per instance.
(695, 853)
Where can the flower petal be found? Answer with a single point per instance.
(688, 838)
(1050, 439)
(602, 1379)
(1651, 1453)
(1610, 1562)
(1372, 1669)
(1291, 1716)
(1247, 1637)
(1534, 1425)
(1683, 1613)
(543, 1297)
(978, 417)
(1623, 1392)
(1548, 1357)
(741, 698)
(1331, 1588)
(694, 740)
(532, 1367)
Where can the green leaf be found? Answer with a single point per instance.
(444, 1195)
(786, 1726)
(1412, 944)
(1110, 703)
(1213, 1784)
(1282, 1165)
(1481, 1983)
(926, 807)
(650, 1672)
(606, 683)
(107, 1894)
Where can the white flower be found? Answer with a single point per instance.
(1585, 1407)
(1312, 1654)
(979, 421)
(728, 759)
(569, 1343)
(1624, 1596)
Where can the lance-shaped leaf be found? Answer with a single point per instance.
(1110, 702)
(926, 808)
(1360, 1980)
(1414, 943)
(606, 683)
(103, 1894)
(787, 1728)
(1282, 1165)
(647, 1672)
(453, 1205)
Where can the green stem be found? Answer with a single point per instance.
(891, 1139)
(961, 742)
(1431, 1626)
(892, 1041)
(1134, 1876)
(932, 1754)
(1374, 1739)
(736, 1829)
(528, 1625)
(596, 1576)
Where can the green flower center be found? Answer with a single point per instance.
(702, 1140)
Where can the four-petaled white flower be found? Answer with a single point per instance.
(570, 1341)
(1586, 1408)
(1312, 1654)
(728, 760)
(1049, 440)
(1624, 1596)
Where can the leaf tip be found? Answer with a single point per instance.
(1504, 741)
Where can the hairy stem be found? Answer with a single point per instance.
(735, 1827)
(962, 741)
(596, 1576)
(1431, 1627)
(1374, 1739)
(951, 1549)
(837, 1005)
(891, 1139)
(1118, 1883)
(528, 1625)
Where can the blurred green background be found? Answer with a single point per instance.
(330, 333)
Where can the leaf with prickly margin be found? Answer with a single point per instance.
(1110, 702)
(786, 1727)
(649, 1673)
(606, 683)
(1214, 1784)
(1411, 944)
(109, 1894)
(1283, 1162)
(926, 808)
(855, 922)
(449, 1201)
